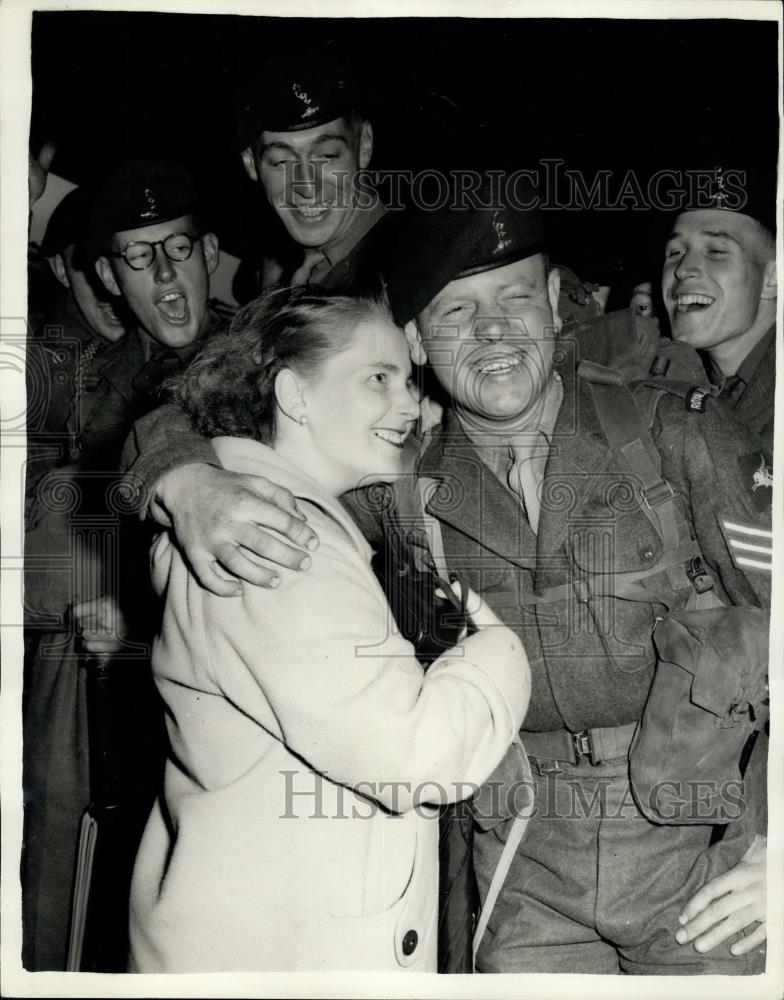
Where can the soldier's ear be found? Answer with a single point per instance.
(57, 265)
(365, 144)
(414, 338)
(106, 274)
(553, 292)
(249, 162)
(211, 252)
(770, 281)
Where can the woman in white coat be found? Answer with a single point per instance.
(296, 829)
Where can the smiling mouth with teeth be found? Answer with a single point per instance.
(498, 365)
(395, 438)
(311, 211)
(692, 303)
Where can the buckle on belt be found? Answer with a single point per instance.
(657, 494)
(583, 745)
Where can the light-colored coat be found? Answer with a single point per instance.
(303, 733)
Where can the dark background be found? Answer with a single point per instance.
(442, 93)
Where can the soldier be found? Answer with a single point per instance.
(719, 289)
(155, 261)
(525, 452)
(586, 892)
(305, 142)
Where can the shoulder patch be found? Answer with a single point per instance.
(756, 474)
(694, 400)
(750, 547)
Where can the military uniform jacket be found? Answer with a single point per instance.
(592, 661)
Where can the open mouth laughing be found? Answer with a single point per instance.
(174, 307)
(692, 302)
(498, 364)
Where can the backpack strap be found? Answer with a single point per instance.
(630, 439)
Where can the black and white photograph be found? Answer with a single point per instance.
(389, 521)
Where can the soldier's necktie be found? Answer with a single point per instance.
(313, 258)
(528, 460)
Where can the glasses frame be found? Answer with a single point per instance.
(152, 244)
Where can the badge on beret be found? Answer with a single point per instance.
(500, 231)
(310, 109)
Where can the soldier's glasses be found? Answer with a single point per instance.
(140, 254)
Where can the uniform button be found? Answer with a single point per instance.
(646, 551)
(410, 942)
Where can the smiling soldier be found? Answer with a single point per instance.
(719, 288)
(305, 141)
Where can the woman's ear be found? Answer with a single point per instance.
(290, 395)
(414, 338)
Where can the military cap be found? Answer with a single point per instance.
(466, 235)
(286, 99)
(747, 190)
(142, 192)
(67, 224)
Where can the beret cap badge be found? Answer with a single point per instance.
(151, 211)
(500, 231)
(310, 108)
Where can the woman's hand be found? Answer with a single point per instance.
(101, 624)
(218, 516)
(729, 903)
(478, 610)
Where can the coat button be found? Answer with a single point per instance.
(410, 942)
(646, 552)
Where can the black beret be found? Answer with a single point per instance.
(747, 190)
(67, 224)
(143, 192)
(466, 234)
(281, 99)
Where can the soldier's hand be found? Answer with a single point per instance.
(219, 519)
(730, 903)
(101, 624)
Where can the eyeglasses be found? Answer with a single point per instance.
(140, 254)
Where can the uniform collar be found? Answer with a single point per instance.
(362, 222)
(748, 366)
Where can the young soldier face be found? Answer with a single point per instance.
(490, 338)
(96, 309)
(718, 270)
(168, 297)
(308, 176)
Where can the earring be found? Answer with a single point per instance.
(303, 420)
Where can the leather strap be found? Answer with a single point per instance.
(516, 833)
(559, 744)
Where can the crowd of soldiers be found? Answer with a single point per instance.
(608, 889)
